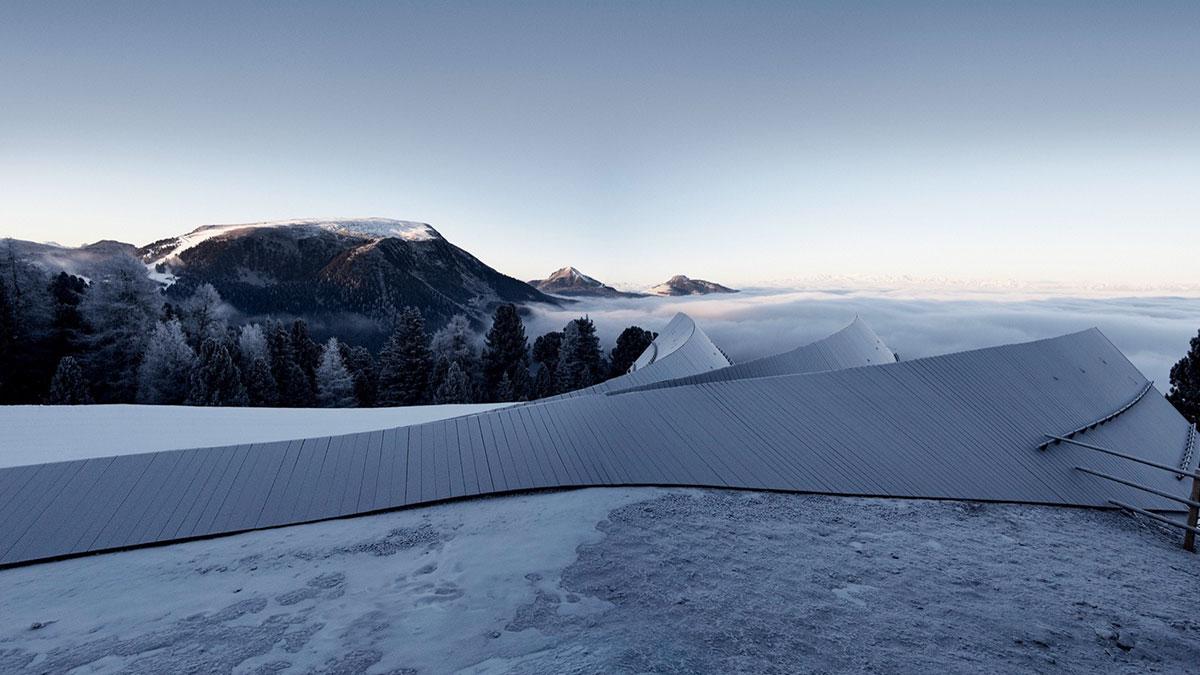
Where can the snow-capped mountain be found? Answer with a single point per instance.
(681, 285)
(570, 282)
(352, 273)
(335, 270)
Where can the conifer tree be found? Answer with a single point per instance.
(454, 344)
(335, 386)
(216, 379)
(308, 353)
(166, 367)
(201, 315)
(545, 356)
(68, 387)
(7, 343)
(67, 329)
(506, 353)
(293, 386)
(630, 344)
(455, 386)
(119, 311)
(505, 391)
(1185, 383)
(580, 362)
(405, 362)
(254, 360)
(364, 373)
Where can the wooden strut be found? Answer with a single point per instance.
(1193, 517)
(1189, 538)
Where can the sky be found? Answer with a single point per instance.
(739, 142)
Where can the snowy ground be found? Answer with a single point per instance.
(629, 580)
(32, 434)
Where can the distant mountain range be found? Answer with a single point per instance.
(681, 285)
(570, 282)
(352, 273)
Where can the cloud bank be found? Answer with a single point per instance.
(1152, 331)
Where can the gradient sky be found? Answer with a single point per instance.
(741, 142)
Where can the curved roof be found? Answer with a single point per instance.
(680, 349)
(853, 346)
(961, 426)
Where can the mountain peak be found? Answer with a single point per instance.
(682, 285)
(572, 275)
(163, 251)
(571, 282)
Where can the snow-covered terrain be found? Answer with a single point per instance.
(32, 434)
(628, 580)
(369, 228)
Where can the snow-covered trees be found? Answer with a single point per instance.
(506, 355)
(454, 345)
(455, 386)
(254, 360)
(216, 379)
(127, 344)
(164, 376)
(404, 362)
(630, 344)
(1185, 383)
(202, 316)
(580, 361)
(335, 386)
(68, 387)
(119, 310)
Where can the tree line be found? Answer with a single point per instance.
(114, 339)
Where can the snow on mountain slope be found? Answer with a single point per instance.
(32, 434)
(569, 281)
(366, 228)
(681, 285)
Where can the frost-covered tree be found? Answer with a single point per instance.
(405, 362)
(455, 386)
(630, 344)
(454, 344)
(68, 387)
(294, 387)
(254, 360)
(580, 363)
(335, 386)
(202, 315)
(1185, 383)
(506, 353)
(216, 379)
(363, 371)
(252, 343)
(166, 367)
(119, 311)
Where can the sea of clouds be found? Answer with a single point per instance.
(1152, 331)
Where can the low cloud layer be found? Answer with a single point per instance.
(1152, 332)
